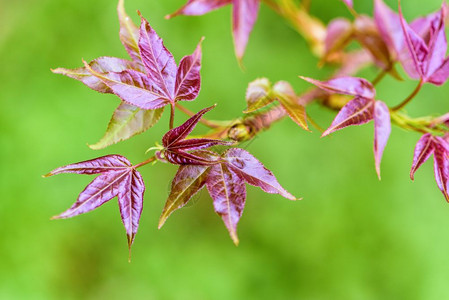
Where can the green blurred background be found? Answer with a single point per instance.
(352, 237)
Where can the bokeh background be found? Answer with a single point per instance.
(352, 237)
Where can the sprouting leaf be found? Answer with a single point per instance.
(129, 33)
(117, 178)
(258, 95)
(100, 65)
(382, 130)
(126, 122)
(244, 15)
(338, 35)
(228, 192)
(188, 80)
(389, 25)
(356, 112)
(188, 181)
(175, 143)
(289, 101)
(346, 85)
(423, 150)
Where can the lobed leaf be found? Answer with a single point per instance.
(158, 61)
(253, 172)
(244, 15)
(199, 7)
(356, 112)
(129, 33)
(258, 95)
(188, 181)
(188, 80)
(346, 85)
(289, 101)
(382, 130)
(228, 192)
(423, 150)
(127, 121)
(389, 25)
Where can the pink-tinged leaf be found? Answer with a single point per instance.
(104, 164)
(129, 33)
(228, 192)
(130, 201)
(100, 65)
(338, 35)
(188, 181)
(423, 150)
(134, 88)
(188, 80)
(199, 7)
(437, 43)
(289, 101)
(181, 132)
(389, 25)
(348, 3)
(127, 121)
(346, 85)
(441, 165)
(258, 95)
(414, 56)
(254, 172)
(99, 191)
(382, 130)
(180, 157)
(159, 62)
(244, 15)
(441, 75)
(197, 144)
(356, 112)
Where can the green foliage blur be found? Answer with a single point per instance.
(352, 237)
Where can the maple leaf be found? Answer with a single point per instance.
(360, 110)
(150, 81)
(225, 181)
(117, 178)
(439, 147)
(175, 143)
(244, 15)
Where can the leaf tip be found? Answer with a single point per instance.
(47, 175)
(234, 238)
(161, 222)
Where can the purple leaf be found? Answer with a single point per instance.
(100, 65)
(104, 164)
(134, 88)
(99, 191)
(188, 181)
(423, 150)
(198, 143)
(159, 62)
(129, 33)
(244, 15)
(253, 172)
(441, 75)
(179, 133)
(188, 80)
(413, 57)
(179, 157)
(389, 26)
(437, 43)
(382, 130)
(130, 201)
(199, 7)
(228, 192)
(356, 112)
(346, 85)
(338, 35)
(441, 165)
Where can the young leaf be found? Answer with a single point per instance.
(356, 112)
(244, 15)
(382, 130)
(441, 165)
(258, 95)
(100, 65)
(126, 122)
(253, 172)
(159, 62)
(346, 85)
(188, 181)
(423, 150)
(389, 25)
(338, 35)
(199, 7)
(118, 178)
(289, 101)
(129, 33)
(175, 143)
(228, 192)
(188, 80)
